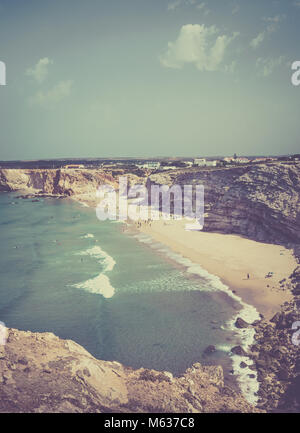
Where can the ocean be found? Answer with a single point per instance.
(120, 295)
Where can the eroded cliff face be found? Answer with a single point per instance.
(56, 182)
(261, 202)
(42, 373)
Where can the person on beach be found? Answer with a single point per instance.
(248, 276)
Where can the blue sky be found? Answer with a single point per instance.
(148, 78)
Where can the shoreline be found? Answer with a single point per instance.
(231, 258)
(240, 377)
(255, 295)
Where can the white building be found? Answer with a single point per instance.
(211, 163)
(152, 165)
(201, 162)
(261, 159)
(73, 166)
(242, 160)
(169, 167)
(188, 163)
(239, 160)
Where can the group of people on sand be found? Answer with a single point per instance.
(140, 224)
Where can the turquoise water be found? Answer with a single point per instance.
(56, 259)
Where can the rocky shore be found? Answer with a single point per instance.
(277, 356)
(42, 373)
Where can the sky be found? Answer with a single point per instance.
(146, 78)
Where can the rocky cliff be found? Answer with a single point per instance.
(55, 182)
(42, 373)
(261, 202)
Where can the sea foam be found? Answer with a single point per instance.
(249, 387)
(88, 235)
(101, 283)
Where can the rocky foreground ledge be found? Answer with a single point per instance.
(40, 372)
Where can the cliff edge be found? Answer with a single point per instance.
(40, 372)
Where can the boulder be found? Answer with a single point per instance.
(209, 350)
(238, 350)
(241, 323)
(276, 318)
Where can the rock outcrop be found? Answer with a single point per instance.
(41, 373)
(277, 361)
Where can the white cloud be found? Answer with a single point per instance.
(52, 96)
(271, 28)
(256, 42)
(198, 45)
(40, 71)
(266, 66)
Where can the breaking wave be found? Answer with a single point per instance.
(101, 283)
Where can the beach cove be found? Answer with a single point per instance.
(65, 272)
(232, 258)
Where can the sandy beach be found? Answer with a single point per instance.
(231, 258)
